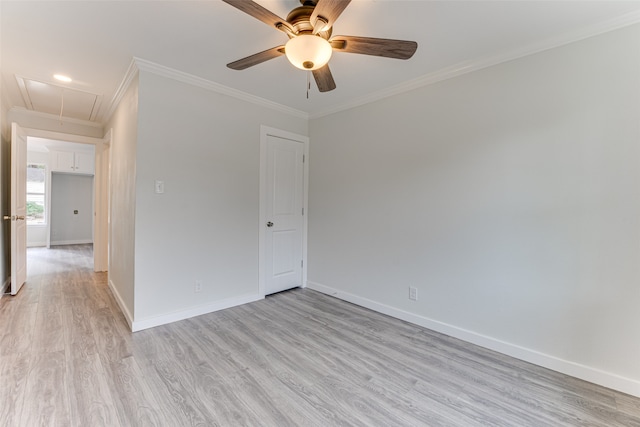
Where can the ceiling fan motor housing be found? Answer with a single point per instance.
(299, 18)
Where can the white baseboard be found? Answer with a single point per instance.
(121, 304)
(71, 242)
(587, 373)
(36, 244)
(163, 319)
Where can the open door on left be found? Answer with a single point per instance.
(18, 208)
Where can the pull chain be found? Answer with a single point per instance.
(308, 83)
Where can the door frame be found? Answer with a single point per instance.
(265, 132)
(100, 182)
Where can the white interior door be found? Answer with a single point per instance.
(18, 208)
(284, 204)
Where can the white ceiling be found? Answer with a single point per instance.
(94, 43)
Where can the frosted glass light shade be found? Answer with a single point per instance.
(308, 52)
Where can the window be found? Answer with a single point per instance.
(36, 179)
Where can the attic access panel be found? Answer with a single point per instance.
(51, 98)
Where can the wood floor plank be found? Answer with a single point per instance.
(78, 334)
(14, 371)
(218, 377)
(19, 330)
(135, 401)
(91, 403)
(48, 330)
(628, 404)
(384, 370)
(341, 361)
(521, 410)
(263, 386)
(172, 370)
(113, 341)
(46, 399)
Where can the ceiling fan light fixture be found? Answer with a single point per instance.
(308, 52)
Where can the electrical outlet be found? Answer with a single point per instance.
(413, 293)
(198, 286)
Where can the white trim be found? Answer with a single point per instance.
(129, 75)
(67, 120)
(587, 373)
(176, 316)
(101, 204)
(485, 62)
(37, 244)
(266, 131)
(123, 307)
(71, 242)
(187, 78)
(67, 137)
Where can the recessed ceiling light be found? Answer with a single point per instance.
(62, 78)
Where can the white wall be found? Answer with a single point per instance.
(70, 193)
(205, 147)
(510, 197)
(124, 123)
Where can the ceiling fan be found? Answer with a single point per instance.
(309, 28)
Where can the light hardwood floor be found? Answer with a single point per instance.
(297, 358)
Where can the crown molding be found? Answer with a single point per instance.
(55, 117)
(200, 82)
(475, 65)
(131, 73)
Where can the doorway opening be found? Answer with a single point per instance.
(90, 158)
(60, 196)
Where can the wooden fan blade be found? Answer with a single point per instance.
(254, 9)
(327, 11)
(398, 49)
(256, 59)
(324, 79)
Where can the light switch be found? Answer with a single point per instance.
(159, 187)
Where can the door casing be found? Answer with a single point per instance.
(101, 177)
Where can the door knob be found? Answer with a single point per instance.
(19, 217)
(6, 218)
(269, 224)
